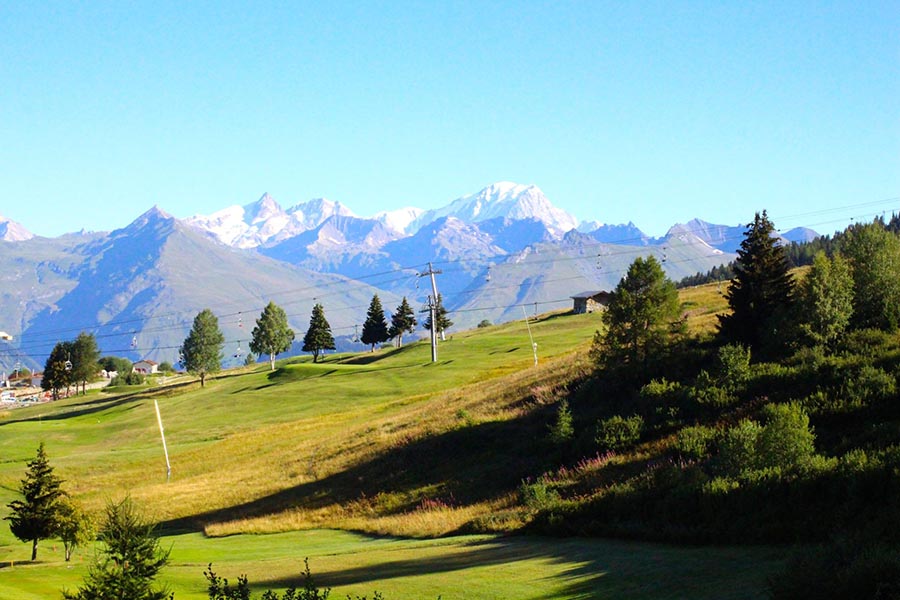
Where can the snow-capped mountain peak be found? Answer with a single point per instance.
(11, 231)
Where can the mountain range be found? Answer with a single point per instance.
(501, 252)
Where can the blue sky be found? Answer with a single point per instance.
(619, 111)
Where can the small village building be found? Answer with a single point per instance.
(145, 367)
(588, 302)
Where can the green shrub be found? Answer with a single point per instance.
(738, 449)
(870, 385)
(128, 379)
(538, 495)
(733, 366)
(709, 395)
(616, 432)
(694, 443)
(786, 440)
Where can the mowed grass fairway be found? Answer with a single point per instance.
(454, 568)
(271, 467)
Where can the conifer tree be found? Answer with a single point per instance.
(402, 321)
(641, 313)
(375, 329)
(318, 337)
(56, 375)
(272, 335)
(762, 289)
(129, 562)
(37, 516)
(202, 349)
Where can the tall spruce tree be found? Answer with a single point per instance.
(402, 321)
(318, 337)
(202, 349)
(272, 335)
(375, 329)
(761, 293)
(37, 516)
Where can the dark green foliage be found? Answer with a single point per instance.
(761, 292)
(129, 562)
(166, 367)
(116, 363)
(131, 378)
(375, 329)
(617, 432)
(219, 588)
(717, 273)
(538, 495)
(402, 321)
(36, 516)
(874, 254)
(484, 323)
(642, 311)
(562, 430)
(202, 349)
(56, 375)
(85, 359)
(443, 321)
(271, 335)
(318, 337)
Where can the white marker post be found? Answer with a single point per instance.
(163, 436)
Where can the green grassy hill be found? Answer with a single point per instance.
(382, 443)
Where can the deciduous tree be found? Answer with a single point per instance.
(318, 337)
(202, 349)
(56, 375)
(36, 517)
(272, 335)
(75, 526)
(375, 329)
(874, 254)
(85, 359)
(825, 300)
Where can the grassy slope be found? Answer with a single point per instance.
(384, 443)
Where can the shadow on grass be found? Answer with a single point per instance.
(498, 551)
(468, 464)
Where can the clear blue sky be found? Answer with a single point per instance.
(651, 112)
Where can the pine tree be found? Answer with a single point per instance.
(318, 337)
(443, 322)
(272, 335)
(641, 313)
(129, 562)
(37, 516)
(375, 329)
(402, 321)
(762, 289)
(202, 349)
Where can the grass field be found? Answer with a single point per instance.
(453, 568)
(268, 466)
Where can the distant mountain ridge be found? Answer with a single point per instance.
(498, 250)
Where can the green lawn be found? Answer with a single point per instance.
(481, 567)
